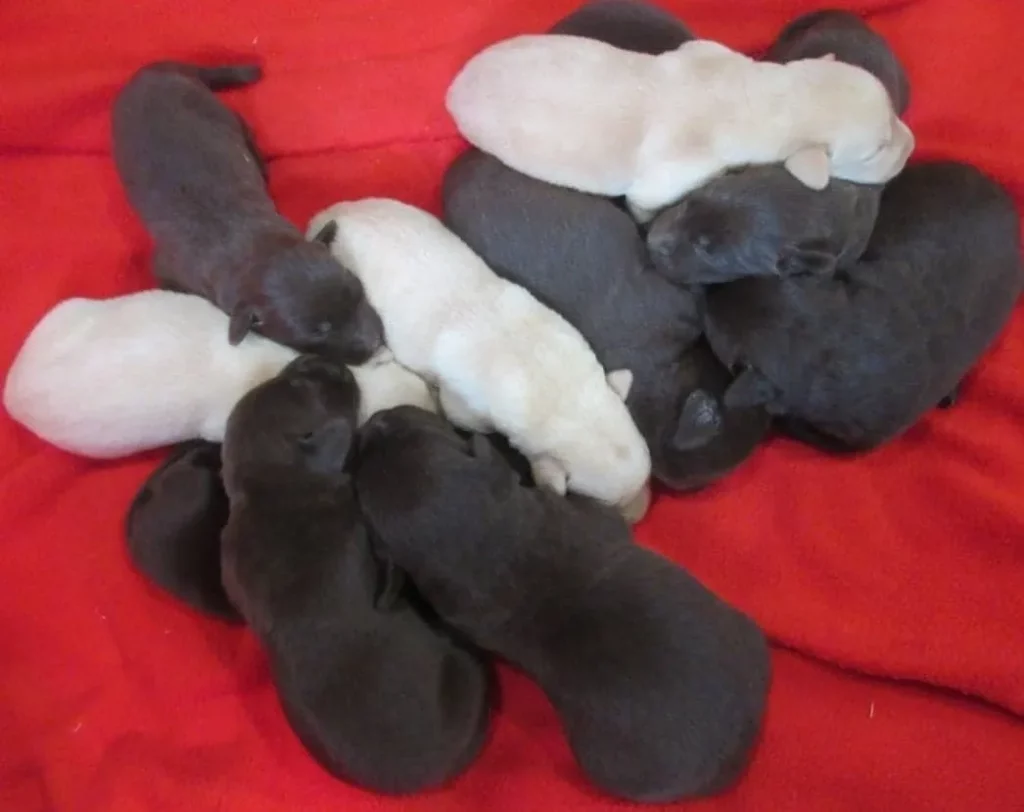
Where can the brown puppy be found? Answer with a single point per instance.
(380, 697)
(853, 360)
(660, 685)
(174, 524)
(761, 221)
(190, 170)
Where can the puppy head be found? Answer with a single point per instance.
(702, 440)
(757, 221)
(861, 137)
(295, 428)
(602, 456)
(310, 302)
(408, 457)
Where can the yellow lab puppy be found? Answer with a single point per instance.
(106, 378)
(580, 113)
(501, 359)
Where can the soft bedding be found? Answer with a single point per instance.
(892, 584)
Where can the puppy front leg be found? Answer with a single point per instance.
(665, 185)
(461, 413)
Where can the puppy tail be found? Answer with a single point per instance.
(220, 77)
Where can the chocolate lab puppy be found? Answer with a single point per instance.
(583, 257)
(861, 356)
(761, 221)
(628, 24)
(660, 686)
(191, 172)
(378, 695)
(174, 524)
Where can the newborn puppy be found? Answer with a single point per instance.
(377, 695)
(761, 221)
(192, 174)
(108, 378)
(628, 24)
(501, 359)
(584, 258)
(174, 524)
(859, 357)
(660, 686)
(584, 114)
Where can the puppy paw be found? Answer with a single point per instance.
(549, 473)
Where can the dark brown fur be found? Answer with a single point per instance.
(660, 685)
(853, 360)
(378, 695)
(174, 524)
(631, 25)
(190, 169)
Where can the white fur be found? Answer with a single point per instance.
(501, 359)
(108, 378)
(583, 114)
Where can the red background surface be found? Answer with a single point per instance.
(893, 584)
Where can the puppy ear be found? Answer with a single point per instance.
(749, 390)
(327, 234)
(243, 318)
(699, 421)
(328, 446)
(549, 473)
(807, 257)
(390, 584)
(621, 381)
(810, 166)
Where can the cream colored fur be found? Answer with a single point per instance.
(501, 359)
(108, 378)
(580, 113)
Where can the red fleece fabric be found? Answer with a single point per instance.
(906, 564)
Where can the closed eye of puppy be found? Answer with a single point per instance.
(861, 356)
(174, 524)
(583, 257)
(632, 25)
(659, 685)
(762, 221)
(501, 359)
(378, 695)
(107, 378)
(191, 171)
(584, 114)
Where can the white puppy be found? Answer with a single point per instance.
(108, 378)
(500, 358)
(580, 113)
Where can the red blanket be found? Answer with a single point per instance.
(907, 564)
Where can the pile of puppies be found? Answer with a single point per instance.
(657, 250)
